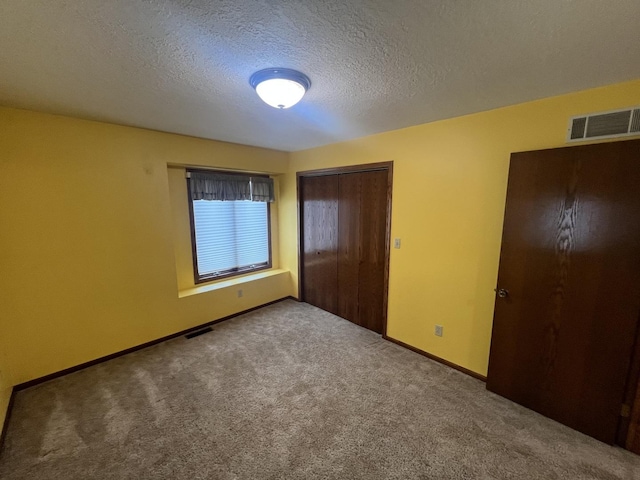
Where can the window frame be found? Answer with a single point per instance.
(234, 272)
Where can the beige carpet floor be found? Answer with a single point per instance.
(288, 391)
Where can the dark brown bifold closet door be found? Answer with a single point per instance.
(569, 284)
(319, 203)
(344, 236)
(362, 214)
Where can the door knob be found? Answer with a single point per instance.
(502, 292)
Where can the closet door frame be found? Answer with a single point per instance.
(369, 167)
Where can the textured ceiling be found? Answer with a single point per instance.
(183, 66)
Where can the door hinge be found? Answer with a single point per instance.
(625, 411)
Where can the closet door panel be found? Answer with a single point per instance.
(349, 243)
(373, 220)
(319, 203)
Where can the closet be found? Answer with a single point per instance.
(344, 219)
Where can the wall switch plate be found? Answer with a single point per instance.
(240, 293)
(396, 243)
(438, 331)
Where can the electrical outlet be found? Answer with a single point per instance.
(396, 243)
(438, 331)
(240, 293)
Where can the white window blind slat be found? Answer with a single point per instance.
(230, 235)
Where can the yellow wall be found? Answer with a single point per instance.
(448, 201)
(87, 240)
(5, 388)
(92, 248)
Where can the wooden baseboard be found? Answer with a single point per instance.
(66, 371)
(5, 424)
(437, 359)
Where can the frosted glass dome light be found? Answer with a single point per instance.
(280, 93)
(280, 87)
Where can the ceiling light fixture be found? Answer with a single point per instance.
(280, 87)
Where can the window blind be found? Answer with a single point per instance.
(230, 236)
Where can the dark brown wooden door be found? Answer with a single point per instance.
(345, 244)
(319, 203)
(570, 261)
(349, 239)
(362, 228)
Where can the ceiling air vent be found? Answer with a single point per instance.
(611, 124)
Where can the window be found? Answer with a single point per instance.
(230, 227)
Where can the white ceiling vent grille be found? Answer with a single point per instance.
(611, 124)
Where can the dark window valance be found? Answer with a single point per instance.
(228, 187)
(262, 189)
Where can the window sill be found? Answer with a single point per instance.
(187, 292)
